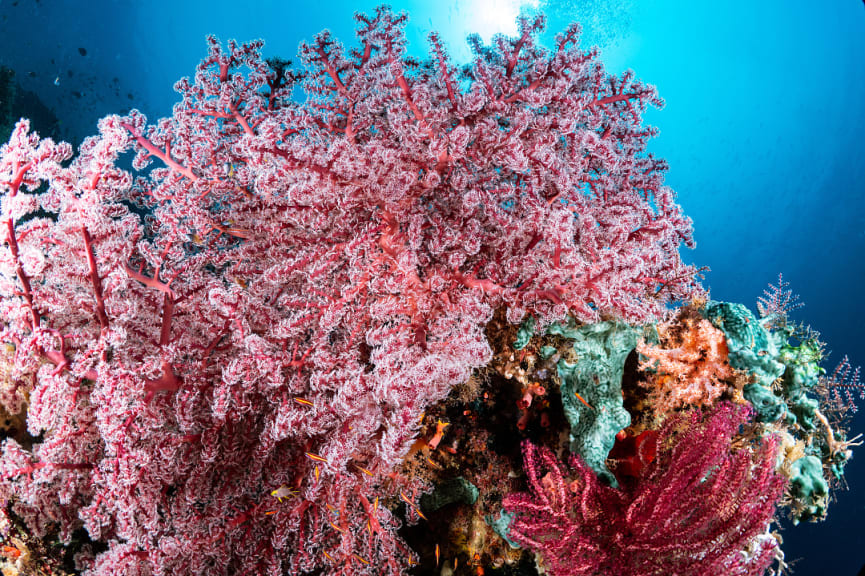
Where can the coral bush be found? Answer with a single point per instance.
(689, 366)
(225, 357)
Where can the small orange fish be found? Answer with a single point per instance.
(234, 231)
(405, 499)
(581, 399)
(440, 432)
(315, 457)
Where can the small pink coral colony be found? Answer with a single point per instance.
(267, 352)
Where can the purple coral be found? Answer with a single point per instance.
(703, 506)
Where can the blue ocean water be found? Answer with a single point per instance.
(764, 130)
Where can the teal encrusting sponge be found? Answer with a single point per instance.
(592, 389)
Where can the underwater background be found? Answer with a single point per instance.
(764, 131)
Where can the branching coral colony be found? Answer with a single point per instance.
(319, 337)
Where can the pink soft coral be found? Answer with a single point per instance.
(232, 349)
(690, 366)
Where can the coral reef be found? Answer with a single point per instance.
(360, 332)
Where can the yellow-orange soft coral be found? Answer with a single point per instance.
(689, 366)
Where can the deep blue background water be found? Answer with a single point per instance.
(763, 128)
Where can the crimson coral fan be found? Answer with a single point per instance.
(702, 506)
(227, 384)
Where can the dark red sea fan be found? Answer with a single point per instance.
(702, 507)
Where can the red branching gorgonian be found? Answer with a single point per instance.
(702, 506)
